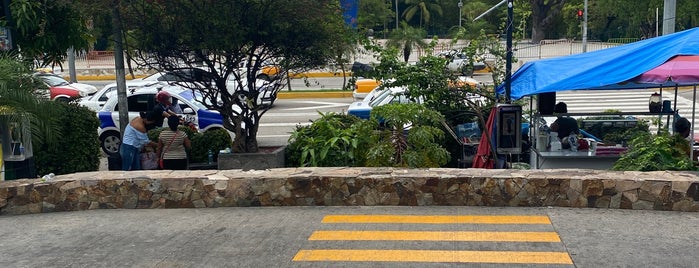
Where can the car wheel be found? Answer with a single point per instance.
(62, 99)
(110, 142)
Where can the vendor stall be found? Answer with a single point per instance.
(623, 67)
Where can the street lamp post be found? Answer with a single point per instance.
(461, 4)
(396, 14)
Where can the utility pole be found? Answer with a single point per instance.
(584, 33)
(71, 65)
(461, 5)
(396, 14)
(10, 27)
(508, 56)
(119, 67)
(508, 59)
(669, 8)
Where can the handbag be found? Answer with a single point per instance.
(161, 163)
(148, 160)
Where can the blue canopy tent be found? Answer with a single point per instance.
(612, 68)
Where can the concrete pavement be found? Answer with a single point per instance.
(284, 236)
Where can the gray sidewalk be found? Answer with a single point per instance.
(273, 236)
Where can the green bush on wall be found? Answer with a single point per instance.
(214, 140)
(77, 149)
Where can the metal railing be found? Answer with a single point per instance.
(523, 51)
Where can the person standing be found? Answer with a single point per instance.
(682, 127)
(135, 138)
(163, 108)
(173, 145)
(564, 125)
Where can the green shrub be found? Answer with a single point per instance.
(77, 149)
(648, 152)
(214, 140)
(614, 134)
(418, 146)
(332, 140)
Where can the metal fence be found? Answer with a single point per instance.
(523, 51)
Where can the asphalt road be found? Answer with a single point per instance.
(345, 237)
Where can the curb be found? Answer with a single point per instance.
(327, 94)
(110, 77)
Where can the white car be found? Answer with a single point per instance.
(267, 89)
(97, 100)
(362, 109)
(56, 80)
(142, 100)
(458, 63)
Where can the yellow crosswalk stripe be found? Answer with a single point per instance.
(434, 256)
(438, 219)
(436, 236)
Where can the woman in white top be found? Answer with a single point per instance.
(173, 145)
(135, 138)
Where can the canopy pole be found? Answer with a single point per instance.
(660, 116)
(673, 118)
(691, 126)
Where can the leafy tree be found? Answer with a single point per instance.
(422, 7)
(374, 14)
(223, 36)
(406, 38)
(45, 30)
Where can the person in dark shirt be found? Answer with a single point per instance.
(564, 125)
(162, 109)
(682, 127)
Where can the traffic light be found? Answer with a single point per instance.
(580, 14)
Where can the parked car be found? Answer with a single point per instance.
(266, 88)
(97, 100)
(362, 109)
(363, 86)
(458, 63)
(143, 100)
(54, 80)
(381, 96)
(63, 93)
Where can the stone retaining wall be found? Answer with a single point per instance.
(665, 190)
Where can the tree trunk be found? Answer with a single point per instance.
(538, 33)
(543, 14)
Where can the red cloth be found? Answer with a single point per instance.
(484, 157)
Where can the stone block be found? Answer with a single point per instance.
(265, 159)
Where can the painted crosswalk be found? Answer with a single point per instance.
(475, 239)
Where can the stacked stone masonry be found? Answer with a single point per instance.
(663, 190)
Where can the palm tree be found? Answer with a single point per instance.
(21, 101)
(424, 7)
(406, 37)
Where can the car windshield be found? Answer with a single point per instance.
(380, 97)
(54, 80)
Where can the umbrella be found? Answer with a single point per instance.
(484, 154)
(682, 70)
